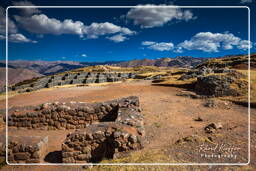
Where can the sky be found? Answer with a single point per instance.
(119, 34)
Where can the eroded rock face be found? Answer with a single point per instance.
(215, 85)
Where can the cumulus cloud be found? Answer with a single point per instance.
(246, 1)
(19, 38)
(244, 45)
(42, 24)
(213, 42)
(26, 11)
(98, 29)
(158, 46)
(148, 16)
(11, 26)
(117, 38)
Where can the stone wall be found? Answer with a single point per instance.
(25, 149)
(102, 130)
(70, 78)
(105, 140)
(73, 115)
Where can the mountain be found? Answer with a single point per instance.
(20, 70)
(51, 67)
(181, 61)
(16, 75)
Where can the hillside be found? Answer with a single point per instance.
(17, 75)
(51, 67)
(182, 61)
(235, 61)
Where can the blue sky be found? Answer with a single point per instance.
(126, 34)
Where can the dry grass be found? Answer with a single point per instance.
(243, 99)
(107, 68)
(173, 78)
(152, 156)
(239, 61)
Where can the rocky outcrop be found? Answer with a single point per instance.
(215, 86)
(203, 72)
(69, 78)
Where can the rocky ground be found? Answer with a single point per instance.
(179, 129)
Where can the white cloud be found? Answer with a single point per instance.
(19, 38)
(2, 37)
(42, 24)
(158, 46)
(26, 11)
(11, 26)
(117, 38)
(98, 29)
(146, 43)
(212, 42)
(148, 16)
(84, 55)
(14, 36)
(246, 1)
(244, 45)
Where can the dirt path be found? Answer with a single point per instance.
(167, 118)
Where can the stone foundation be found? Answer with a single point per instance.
(102, 130)
(25, 149)
(106, 139)
(73, 115)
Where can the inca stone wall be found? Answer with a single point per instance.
(25, 149)
(105, 140)
(73, 115)
(102, 130)
(71, 78)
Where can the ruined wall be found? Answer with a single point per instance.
(71, 78)
(25, 149)
(105, 140)
(102, 130)
(73, 115)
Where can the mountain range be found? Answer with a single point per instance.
(20, 70)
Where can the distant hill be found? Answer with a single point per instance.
(234, 61)
(182, 61)
(51, 67)
(21, 70)
(16, 75)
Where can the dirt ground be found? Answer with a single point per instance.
(168, 118)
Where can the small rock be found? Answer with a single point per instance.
(211, 128)
(198, 119)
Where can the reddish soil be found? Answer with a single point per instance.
(167, 118)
